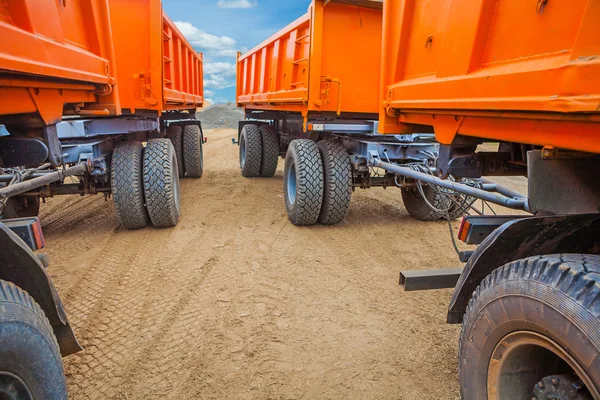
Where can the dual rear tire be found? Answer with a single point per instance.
(317, 176)
(259, 151)
(145, 184)
(317, 182)
(145, 181)
(187, 142)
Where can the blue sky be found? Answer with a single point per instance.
(219, 28)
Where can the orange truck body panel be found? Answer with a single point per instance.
(504, 70)
(94, 58)
(302, 68)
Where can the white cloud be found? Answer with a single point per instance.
(203, 40)
(228, 53)
(220, 46)
(236, 4)
(209, 93)
(225, 69)
(215, 81)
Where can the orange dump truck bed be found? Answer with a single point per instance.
(92, 58)
(326, 61)
(519, 71)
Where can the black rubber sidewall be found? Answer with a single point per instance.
(252, 139)
(512, 310)
(26, 350)
(304, 155)
(175, 135)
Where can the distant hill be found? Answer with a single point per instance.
(220, 116)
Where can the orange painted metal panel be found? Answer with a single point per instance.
(110, 57)
(495, 69)
(304, 66)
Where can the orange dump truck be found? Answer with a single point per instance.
(83, 83)
(525, 76)
(521, 78)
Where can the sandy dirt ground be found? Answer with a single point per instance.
(237, 303)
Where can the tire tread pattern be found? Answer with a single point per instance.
(192, 152)
(175, 135)
(158, 183)
(127, 185)
(576, 275)
(12, 294)
(309, 182)
(270, 151)
(253, 146)
(337, 182)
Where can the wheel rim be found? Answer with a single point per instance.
(13, 388)
(291, 183)
(242, 152)
(522, 359)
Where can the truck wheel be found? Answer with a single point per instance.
(417, 207)
(127, 185)
(30, 361)
(21, 207)
(161, 183)
(175, 135)
(250, 151)
(337, 189)
(270, 151)
(192, 151)
(303, 182)
(532, 330)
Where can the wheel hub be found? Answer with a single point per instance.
(13, 388)
(526, 363)
(291, 184)
(561, 387)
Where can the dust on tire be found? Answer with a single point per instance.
(337, 189)
(270, 151)
(192, 151)
(161, 183)
(29, 348)
(175, 135)
(303, 164)
(250, 151)
(127, 185)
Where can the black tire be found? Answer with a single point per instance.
(270, 151)
(337, 189)
(21, 207)
(525, 320)
(420, 210)
(417, 207)
(127, 185)
(161, 183)
(175, 135)
(250, 151)
(193, 158)
(30, 360)
(303, 182)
